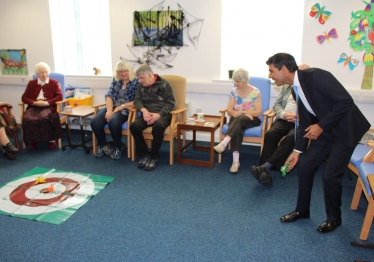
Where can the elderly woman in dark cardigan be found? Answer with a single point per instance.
(41, 122)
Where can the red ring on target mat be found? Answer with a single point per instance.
(18, 195)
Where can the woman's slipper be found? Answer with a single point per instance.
(10, 148)
(10, 156)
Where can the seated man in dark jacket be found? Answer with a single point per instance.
(280, 138)
(155, 99)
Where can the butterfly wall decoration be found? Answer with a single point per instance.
(320, 13)
(326, 36)
(348, 60)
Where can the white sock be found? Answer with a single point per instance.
(226, 140)
(235, 157)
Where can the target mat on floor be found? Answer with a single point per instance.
(49, 195)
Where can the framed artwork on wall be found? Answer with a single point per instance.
(13, 62)
(158, 28)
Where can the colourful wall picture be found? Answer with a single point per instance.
(158, 28)
(362, 38)
(13, 62)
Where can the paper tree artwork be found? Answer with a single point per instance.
(49, 195)
(362, 38)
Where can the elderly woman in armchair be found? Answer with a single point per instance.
(244, 109)
(118, 99)
(41, 122)
(7, 124)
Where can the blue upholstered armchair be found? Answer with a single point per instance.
(365, 170)
(254, 134)
(60, 78)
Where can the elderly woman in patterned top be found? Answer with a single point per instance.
(119, 98)
(41, 122)
(8, 124)
(244, 109)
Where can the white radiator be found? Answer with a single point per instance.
(188, 105)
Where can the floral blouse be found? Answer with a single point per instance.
(245, 103)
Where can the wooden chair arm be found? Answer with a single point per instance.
(6, 104)
(8, 108)
(269, 113)
(22, 110)
(99, 105)
(268, 119)
(223, 110)
(60, 103)
(180, 110)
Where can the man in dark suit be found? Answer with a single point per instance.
(333, 124)
(279, 139)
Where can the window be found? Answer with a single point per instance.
(252, 31)
(81, 36)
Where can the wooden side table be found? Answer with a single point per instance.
(81, 112)
(198, 126)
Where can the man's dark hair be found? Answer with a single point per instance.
(283, 59)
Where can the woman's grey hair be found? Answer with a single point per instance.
(40, 66)
(144, 70)
(123, 66)
(240, 75)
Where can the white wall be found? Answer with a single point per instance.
(202, 64)
(327, 54)
(25, 24)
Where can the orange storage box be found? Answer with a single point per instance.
(74, 102)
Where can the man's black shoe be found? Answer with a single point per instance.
(293, 216)
(265, 179)
(257, 171)
(329, 226)
(152, 163)
(143, 162)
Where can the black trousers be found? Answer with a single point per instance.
(339, 154)
(158, 130)
(271, 152)
(236, 129)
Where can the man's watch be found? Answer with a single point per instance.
(243, 112)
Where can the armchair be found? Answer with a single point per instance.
(357, 157)
(365, 170)
(8, 109)
(125, 130)
(61, 80)
(179, 85)
(254, 134)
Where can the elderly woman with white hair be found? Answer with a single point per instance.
(118, 99)
(41, 122)
(244, 109)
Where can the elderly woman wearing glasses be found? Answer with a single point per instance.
(244, 109)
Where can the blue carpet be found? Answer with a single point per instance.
(179, 213)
